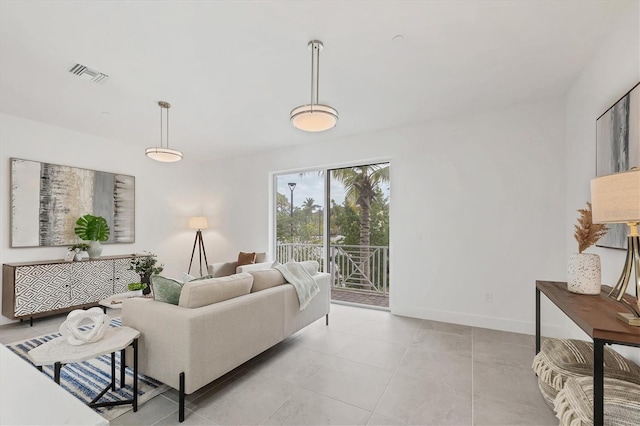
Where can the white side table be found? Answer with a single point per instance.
(59, 352)
(115, 301)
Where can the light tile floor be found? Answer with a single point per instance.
(367, 367)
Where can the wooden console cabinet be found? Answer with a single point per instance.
(36, 289)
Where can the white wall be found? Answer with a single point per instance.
(486, 191)
(610, 73)
(166, 194)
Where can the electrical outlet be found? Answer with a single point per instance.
(488, 297)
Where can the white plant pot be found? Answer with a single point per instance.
(95, 249)
(134, 293)
(584, 276)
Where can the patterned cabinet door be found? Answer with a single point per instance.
(122, 276)
(91, 281)
(41, 288)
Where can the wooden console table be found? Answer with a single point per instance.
(596, 316)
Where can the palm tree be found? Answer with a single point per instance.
(360, 185)
(309, 206)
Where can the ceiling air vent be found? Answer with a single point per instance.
(88, 74)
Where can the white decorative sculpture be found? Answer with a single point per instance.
(71, 328)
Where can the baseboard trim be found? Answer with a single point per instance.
(494, 323)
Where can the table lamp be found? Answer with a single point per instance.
(616, 199)
(199, 223)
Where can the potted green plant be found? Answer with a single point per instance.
(81, 250)
(94, 229)
(145, 266)
(137, 289)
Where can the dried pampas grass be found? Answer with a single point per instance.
(588, 233)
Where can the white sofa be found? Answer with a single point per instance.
(189, 347)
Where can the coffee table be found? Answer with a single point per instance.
(59, 352)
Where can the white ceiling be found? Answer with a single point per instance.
(233, 70)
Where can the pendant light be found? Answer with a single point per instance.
(165, 155)
(314, 117)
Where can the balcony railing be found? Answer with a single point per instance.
(356, 267)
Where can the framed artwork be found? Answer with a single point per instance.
(47, 199)
(618, 150)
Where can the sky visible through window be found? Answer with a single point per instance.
(311, 185)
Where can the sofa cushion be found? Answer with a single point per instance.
(246, 258)
(166, 289)
(261, 256)
(265, 279)
(213, 290)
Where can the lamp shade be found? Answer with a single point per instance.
(164, 155)
(198, 222)
(615, 198)
(314, 118)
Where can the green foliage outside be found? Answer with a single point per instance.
(363, 193)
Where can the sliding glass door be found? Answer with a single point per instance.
(355, 240)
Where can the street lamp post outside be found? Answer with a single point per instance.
(292, 186)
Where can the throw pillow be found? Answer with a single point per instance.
(188, 277)
(261, 257)
(265, 279)
(246, 258)
(165, 289)
(196, 294)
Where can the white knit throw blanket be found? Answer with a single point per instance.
(301, 280)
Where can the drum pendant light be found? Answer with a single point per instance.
(165, 155)
(314, 117)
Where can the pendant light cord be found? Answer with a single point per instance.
(161, 126)
(164, 105)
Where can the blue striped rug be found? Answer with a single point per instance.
(85, 380)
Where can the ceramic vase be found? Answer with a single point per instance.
(95, 249)
(584, 276)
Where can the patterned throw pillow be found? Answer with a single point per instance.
(246, 258)
(165, 289)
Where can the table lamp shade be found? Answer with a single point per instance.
(615, 198)
(198, 222)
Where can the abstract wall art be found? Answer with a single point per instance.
(47, 199)
(618, 150)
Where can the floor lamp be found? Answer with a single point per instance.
(616, 199)
(199, 223)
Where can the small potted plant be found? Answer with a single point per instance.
(94, 229)
(145, 266)
(584, 275)
(81, 250)
(137, 289)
